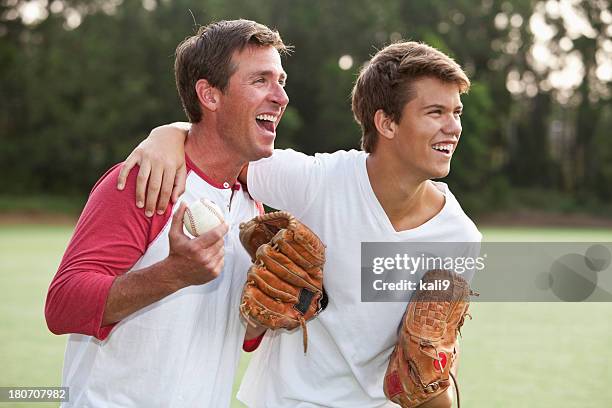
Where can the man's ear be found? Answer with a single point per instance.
(208, 95)
(385, 125)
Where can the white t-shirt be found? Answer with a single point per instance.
(350, 342)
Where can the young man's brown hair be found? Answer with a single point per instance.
(385, 82)
(208, 55)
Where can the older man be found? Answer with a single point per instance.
(153, 314)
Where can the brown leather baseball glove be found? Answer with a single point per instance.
(424, 359)
(284, 287)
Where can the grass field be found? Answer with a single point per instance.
(515, 354)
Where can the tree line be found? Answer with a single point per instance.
(84, 81)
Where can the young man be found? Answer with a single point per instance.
(407, 101)
(153, 314)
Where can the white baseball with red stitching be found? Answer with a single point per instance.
(202, 216)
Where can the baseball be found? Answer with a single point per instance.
(202, 216)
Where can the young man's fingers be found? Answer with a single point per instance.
(141, 183)
(129, 163)
(153, 187)
(166, 189)
(179, 183)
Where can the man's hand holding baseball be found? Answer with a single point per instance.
(195, 261)
(190, 262)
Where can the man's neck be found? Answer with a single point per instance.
(206, 148)
(407, 200)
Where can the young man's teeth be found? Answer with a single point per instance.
(268, 118)
(448, 147)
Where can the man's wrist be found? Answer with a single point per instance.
(254, 332)
(171, 274)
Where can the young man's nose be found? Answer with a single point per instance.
(453, 126)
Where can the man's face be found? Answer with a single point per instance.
(253, 102)
(429, 130)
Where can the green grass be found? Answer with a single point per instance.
(45, 204)
(525, 234)
(514, 354)
(30, 355)
(537, 355)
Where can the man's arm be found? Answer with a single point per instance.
(162, 173)
(92, 290)
(253, 332)
(190, 262)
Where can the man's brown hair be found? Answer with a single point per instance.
(385, 82)
(208, 55)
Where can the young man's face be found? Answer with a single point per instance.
(253, 102)
(430, 127)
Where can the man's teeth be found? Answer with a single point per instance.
(448, 147)
(269, 118)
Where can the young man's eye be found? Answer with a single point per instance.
(436, 112)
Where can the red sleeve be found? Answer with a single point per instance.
(111, 235)
(260, 207)
(252, 344)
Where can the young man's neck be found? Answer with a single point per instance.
(407, 200)
(206, 148)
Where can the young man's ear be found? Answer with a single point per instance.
(208, 95)
(384, 124)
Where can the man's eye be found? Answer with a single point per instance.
(436, 112)
(260, 80)
(458, 113)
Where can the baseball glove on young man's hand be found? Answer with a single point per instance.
(284, 287)
(426, 352)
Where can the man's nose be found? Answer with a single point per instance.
(279, 96)
(453, 126)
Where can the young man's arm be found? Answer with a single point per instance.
(92, 290)
(162, 173)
